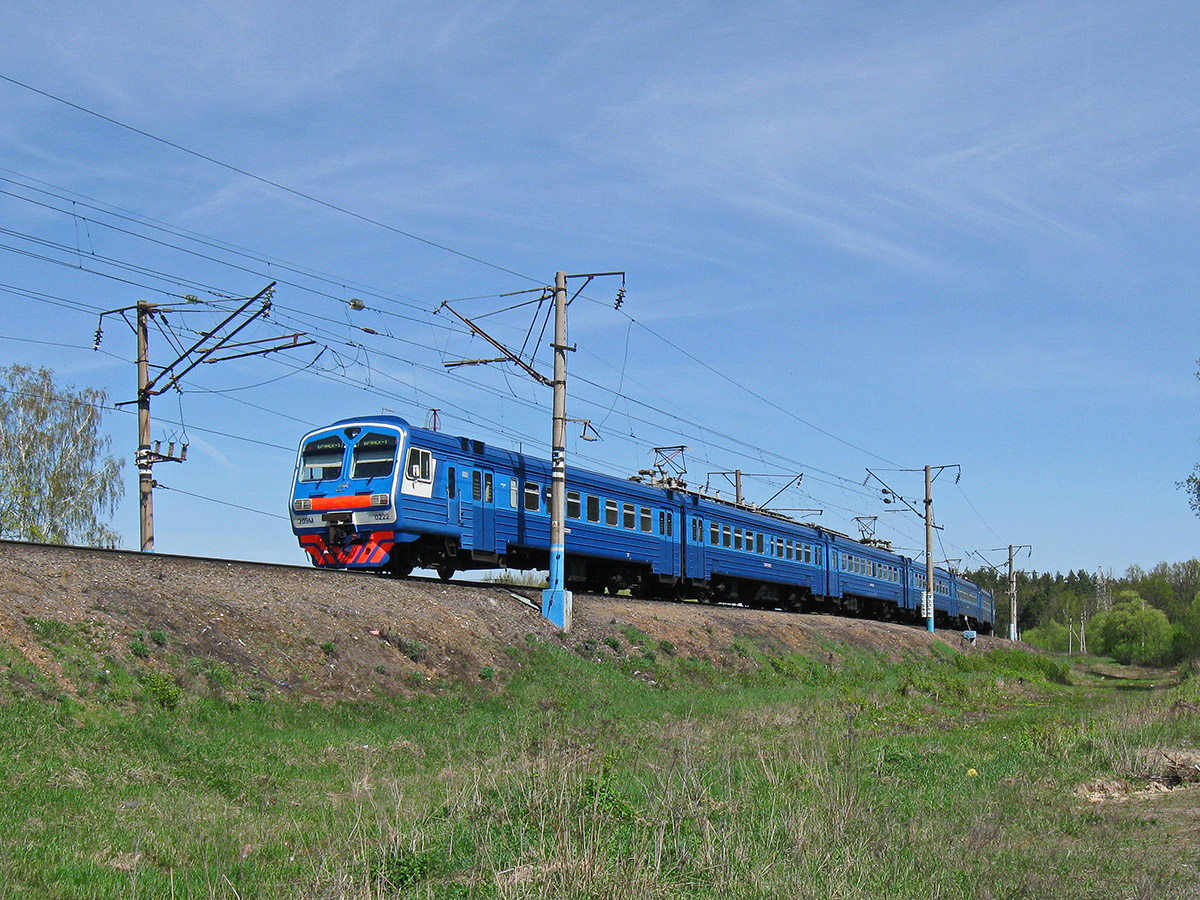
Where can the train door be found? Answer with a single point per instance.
(670, 560)
(485, 511)
(833, 571)
(477, 511)
(693, 548)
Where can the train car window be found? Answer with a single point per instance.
(759, 542)
(629, 516)
(817, 556)
(573, 504)
(532, 496)
(737, 539)
(610, 512)
(647, 520)
(670, 524)
(487, 487)
(374, 456)
(790, 549)
(513, 488)
(321, 460)
(593, 509)
(726, 535)
(714, 533)
(476, 485)
(451, 486)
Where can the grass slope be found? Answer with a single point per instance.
(638, 773)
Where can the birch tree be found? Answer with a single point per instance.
(57, 482)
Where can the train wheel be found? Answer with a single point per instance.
(445, 571)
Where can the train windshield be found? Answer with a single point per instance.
(374, 456)
(321, 459)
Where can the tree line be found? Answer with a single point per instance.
(1148, 618)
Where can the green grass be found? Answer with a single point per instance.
(591, 776)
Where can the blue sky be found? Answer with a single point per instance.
(875, 234)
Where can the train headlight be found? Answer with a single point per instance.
(302, 505)
(380, 499)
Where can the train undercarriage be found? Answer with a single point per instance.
(598, 576)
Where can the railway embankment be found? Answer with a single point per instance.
(286, 630)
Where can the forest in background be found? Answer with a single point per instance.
(1145, 618)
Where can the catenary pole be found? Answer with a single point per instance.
(1012, 597)
(929, 583)
(556, 599)
(143, 458)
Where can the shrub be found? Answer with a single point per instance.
(1052, 636)
(161, 689)
(1133, 633)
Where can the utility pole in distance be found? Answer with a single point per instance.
(1012, 590)
(1013, 550)
(890, 496)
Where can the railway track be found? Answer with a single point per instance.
(281, 567)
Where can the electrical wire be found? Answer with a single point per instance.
(145, 271)
(288, 190)
(165, 487)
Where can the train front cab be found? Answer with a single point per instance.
(369, 493)
(342, 505)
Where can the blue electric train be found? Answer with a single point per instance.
(377, 493)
